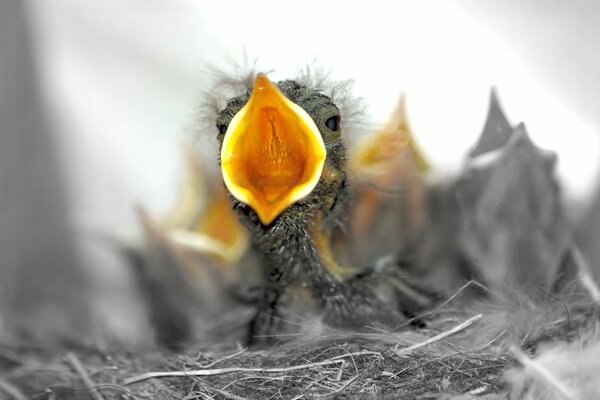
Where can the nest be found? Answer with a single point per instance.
(500, 352)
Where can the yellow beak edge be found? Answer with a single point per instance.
(272, 154)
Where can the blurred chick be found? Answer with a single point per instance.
(512, 226)
(196, 259)
(389, 189)
(284, 163)
(201, 220)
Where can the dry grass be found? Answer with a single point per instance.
(458, 355)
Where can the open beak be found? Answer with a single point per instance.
(272, 154)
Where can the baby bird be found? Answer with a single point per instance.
(283, 162)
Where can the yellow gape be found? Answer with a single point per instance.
(272, 154)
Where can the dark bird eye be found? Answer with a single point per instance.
(222, 129)
(333, 123)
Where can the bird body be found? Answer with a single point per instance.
(296, 241)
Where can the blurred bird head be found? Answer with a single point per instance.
(281, 150)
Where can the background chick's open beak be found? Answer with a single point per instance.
(272, 154)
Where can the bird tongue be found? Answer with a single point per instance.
(272, 193)
(277, 161)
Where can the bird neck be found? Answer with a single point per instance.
(299, 250)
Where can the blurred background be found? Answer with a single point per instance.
(96, 99)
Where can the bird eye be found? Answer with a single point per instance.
(333, 123)
(222, 129)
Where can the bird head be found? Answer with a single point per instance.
(281, 150)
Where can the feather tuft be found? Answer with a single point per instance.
(559, 372)
(235, 78)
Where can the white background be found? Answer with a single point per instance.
(122, 79)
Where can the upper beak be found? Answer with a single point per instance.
(272, 154)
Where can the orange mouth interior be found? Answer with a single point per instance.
(272, 154)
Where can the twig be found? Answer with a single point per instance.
(358, 353)
(585, 275)
(444, 303)
(220, 371)
(353, 363)
(340, 389)
(9, 388)
(484, 367)
(338, 377)
(195, 395)
(266, 379)
(213, 363)
(316, 381)
(478, 390)
(441, 336)
(457, 369)
(562, 303)
(478, 349)
(536, 369)
(225, 394)
(89, 384)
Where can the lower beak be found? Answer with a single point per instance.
(272, 154)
